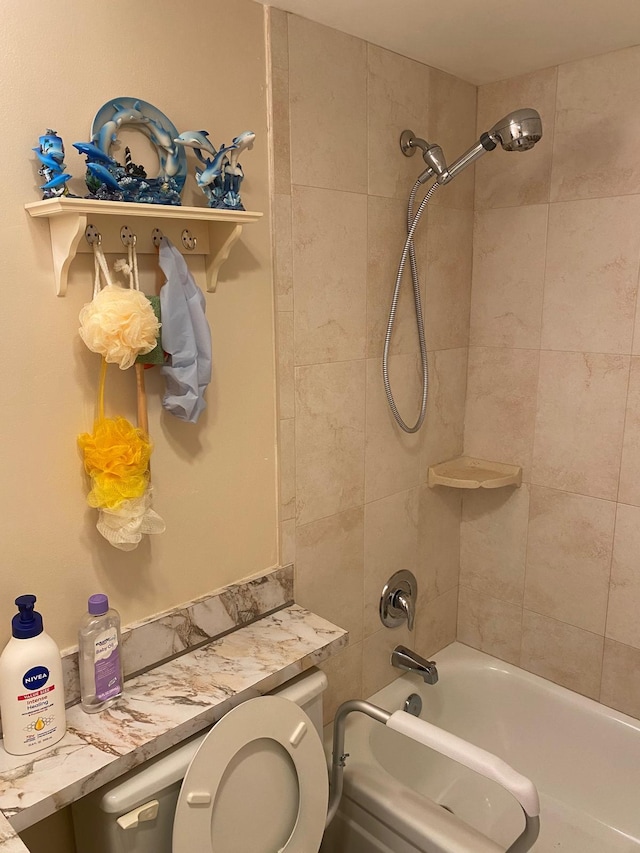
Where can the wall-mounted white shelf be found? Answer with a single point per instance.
(215, 231)
(468, 473)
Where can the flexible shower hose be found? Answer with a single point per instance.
(409, 251)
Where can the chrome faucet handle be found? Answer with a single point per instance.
(404, 602)
(398, 600)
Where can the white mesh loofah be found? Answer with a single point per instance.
(125, 526)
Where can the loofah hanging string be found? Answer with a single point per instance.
(116, 457)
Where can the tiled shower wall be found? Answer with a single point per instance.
(354, 504)
(550, 573)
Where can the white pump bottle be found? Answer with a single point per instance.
(31, 686)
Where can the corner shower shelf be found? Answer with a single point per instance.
(468, 473)
(212, 232)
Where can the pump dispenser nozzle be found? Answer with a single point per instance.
(28, 622)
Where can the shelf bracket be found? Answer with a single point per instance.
(66, 232)
(222, 238)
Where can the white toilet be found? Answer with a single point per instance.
(257, 781)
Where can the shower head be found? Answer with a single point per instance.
(517, 131)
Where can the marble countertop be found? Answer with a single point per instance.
(159, 709)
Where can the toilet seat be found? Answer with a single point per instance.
(258, 783)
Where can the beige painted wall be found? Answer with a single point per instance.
(354, 503)
(215, 482)
(550, 577)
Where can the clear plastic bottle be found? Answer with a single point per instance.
(99, 657)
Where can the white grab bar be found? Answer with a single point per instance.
(449, 745)
(470, 756)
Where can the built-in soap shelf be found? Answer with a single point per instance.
(211, 233)
(465, 472)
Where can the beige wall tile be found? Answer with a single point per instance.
(329, 438)
(344, 672)
(508, 276)
(386, 234)
(391, 455)
(621, 678)
(489, 624)
(501, 405)
(330, 569)
(569, 557)
(629, 489)
(438, 562)
(287, 468)
(282, 250)
(443, 432)
(287, 542)
(493, 542)
(451, 124)
(505, 179)
(397, 99)
(591, 277)
(579, 424)
(447, 277)
(564, 654)
(623, 615)
(278, 37)
(328, 115)
(280, 130)
(377, 671)
(390, 544)
(591, 156)
(330, 267)
(286, 392)
(437, 623)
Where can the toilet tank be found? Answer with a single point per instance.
(134, 814)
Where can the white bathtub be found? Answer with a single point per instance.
(583, 757)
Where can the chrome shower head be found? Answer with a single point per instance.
(517, 131)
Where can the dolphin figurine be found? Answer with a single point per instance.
(158, 135)
(243, 142)
(214, 168)
(48, 161)
(56, 182)
(196, 139)
(127, 115)
(93, 153)
(105, 136)
(104, 176)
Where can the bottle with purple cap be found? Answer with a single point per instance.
(100, 659)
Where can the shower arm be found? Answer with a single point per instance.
(447, 744)
(434, 158)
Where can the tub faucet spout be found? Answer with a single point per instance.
(404, 658)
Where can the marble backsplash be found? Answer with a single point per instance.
(166, 635)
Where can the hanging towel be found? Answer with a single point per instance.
(186, 337)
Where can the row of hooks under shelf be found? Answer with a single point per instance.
(128, 238)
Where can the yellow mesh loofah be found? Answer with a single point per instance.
(116, 457)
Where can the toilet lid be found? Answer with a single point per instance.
(258, 783)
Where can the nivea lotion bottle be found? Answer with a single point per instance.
(31, 687)
(100, 660)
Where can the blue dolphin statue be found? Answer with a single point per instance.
(56, 182)
(47, 160)
(93, 153)
(104, 176)
(197, 139)
(207, 176)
